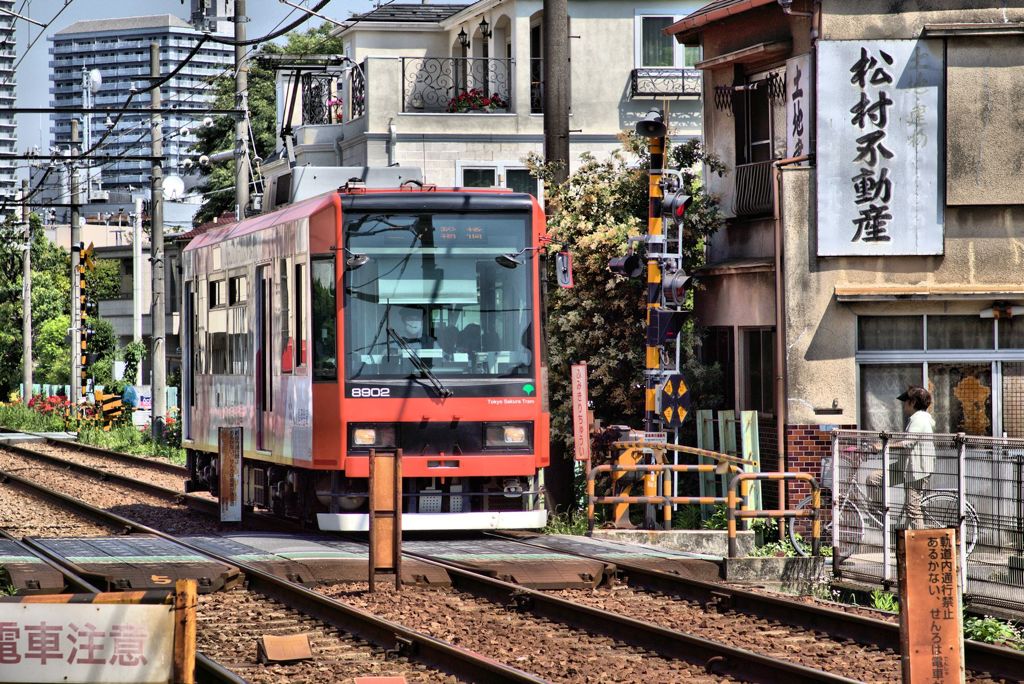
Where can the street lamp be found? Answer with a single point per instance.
(485, 29)
(463, 38)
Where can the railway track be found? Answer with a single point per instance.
(676, 603)
(636, 639)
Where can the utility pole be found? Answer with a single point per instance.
(557, 95)
(137, 280)
(76, 255)
(242, 123)
(26, 300)
(158, 355)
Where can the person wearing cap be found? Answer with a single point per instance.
(914, 459)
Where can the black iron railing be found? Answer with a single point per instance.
(357, 92)
(456, 84)
(753, 189)
(664, 82)
(320, 104)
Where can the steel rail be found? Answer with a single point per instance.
(997, 661)
(130, 459)
(391, 636)
(716, 657)
(207, 669)
(197, 503)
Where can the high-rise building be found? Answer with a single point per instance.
(8, 137)
(120, 50)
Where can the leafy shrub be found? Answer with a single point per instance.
(994, 631)
(883, 600)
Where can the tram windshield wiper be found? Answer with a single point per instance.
(421, 366)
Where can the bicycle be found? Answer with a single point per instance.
(855, 511)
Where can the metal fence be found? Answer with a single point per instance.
(456, 85)
(974, 484)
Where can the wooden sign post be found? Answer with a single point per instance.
(931, 616)
(229, 448)
(386, 515)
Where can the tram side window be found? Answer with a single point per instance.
(325, 348)
(216, 294)
(287, 341)
(300, 332)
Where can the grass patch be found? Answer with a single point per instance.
(566, 523)
(129, 439)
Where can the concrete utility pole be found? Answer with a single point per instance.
(158, 354)
(26, 300)
(557, 95)
(76, 257)
(242, 124)
(137, 280)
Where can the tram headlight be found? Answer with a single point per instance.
(372, 436)
(498, 434)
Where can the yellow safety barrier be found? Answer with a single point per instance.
(735, 498)
(666, 500)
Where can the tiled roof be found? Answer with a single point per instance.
(125, 24)
(710, 13)
(414, 13)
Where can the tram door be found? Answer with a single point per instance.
(264, 356)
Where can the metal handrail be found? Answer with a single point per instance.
(735, 513)
(754, 189)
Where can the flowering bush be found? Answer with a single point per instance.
(475, 100)
(51, 405)
(337, 107)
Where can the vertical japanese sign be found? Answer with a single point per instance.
(70, 643)
(799, 105)
(931, 617)
(580, 416)
(229, 447)
(880, 189)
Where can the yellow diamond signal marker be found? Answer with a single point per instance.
(668, 414)
(668, 388)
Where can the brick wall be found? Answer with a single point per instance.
(805, 447)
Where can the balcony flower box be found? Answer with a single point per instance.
(475, 100)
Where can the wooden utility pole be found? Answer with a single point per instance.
(76, 257)
(242, 123)
(26, 300)
(158, 354)
(557, 95)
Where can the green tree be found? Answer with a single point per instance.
(52, 351)
(220, 179)
(106, 279)
(601, 319)
(51, 292)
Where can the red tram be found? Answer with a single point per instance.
(373, 319)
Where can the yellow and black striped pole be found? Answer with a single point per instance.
(653, 128)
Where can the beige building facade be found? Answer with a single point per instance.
(874, 232)
(395, 98)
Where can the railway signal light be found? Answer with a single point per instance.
(630, 265)
(674, 207)
(665, 326)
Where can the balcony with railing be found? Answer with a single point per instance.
(664, 82)
(753, 189)
(458, 85)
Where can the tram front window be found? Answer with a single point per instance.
(433, 293)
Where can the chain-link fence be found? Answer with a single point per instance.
(884, 482)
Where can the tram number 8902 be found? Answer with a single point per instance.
(371, 392)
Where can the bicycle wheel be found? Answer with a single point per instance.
(941, 510)
(850, 528)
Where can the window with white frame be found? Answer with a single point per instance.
(973, 367)
(655, 49)
(511, 175)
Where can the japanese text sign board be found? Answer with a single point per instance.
(229, 447)
(880, 176)
(580, 417)
(931, 616)
(80, 643)
(799, 105)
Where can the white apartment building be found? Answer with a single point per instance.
(457, 90)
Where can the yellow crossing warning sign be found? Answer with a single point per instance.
(675, 400)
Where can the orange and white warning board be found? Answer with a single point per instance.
(88, 642)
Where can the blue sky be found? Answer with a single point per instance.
(33, 91)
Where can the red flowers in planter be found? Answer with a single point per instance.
(475, 100)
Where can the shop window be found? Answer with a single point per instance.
(890, 332)
(960, 332)
(717, 348)
(879, 387)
